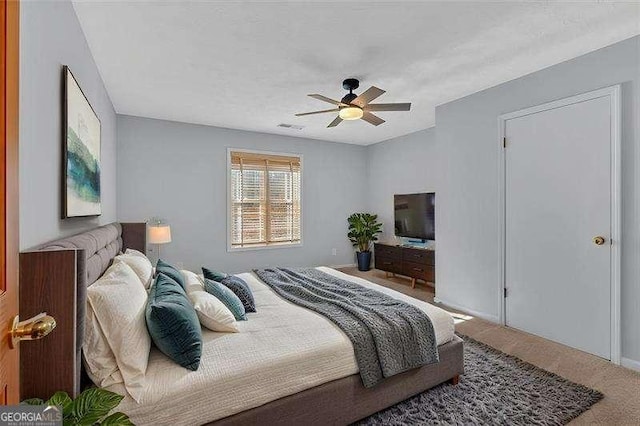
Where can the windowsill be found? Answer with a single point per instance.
(264, 247)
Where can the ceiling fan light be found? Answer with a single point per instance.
(350, 113)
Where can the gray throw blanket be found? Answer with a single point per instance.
(388, 336)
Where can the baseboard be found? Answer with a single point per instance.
(631, 364)
(484, 316)
(348, 265)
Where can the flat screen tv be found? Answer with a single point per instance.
(415, 215)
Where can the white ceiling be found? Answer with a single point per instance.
(250, 65)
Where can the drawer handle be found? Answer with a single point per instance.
(386, 263)
(417, 269)
(417, 255)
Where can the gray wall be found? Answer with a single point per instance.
(402, 165)
(178, 172)
(50, 37)
(468, 151)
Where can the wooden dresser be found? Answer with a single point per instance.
(415, 263)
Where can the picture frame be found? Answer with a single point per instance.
(81, 143)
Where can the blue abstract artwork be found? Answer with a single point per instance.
(82, 153)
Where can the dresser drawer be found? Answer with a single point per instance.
(419, 271)
(388, 265)
(390, 252)
(424, 257)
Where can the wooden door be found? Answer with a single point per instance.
(560, 219)
(9, 246)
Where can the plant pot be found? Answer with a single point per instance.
(364, 260)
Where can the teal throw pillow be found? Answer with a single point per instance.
(214, 275)
(163, 267)
(173, 323)
(227, 297)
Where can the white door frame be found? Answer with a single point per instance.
(613, 93)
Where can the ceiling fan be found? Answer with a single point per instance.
(354, 107)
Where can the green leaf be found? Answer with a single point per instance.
(117, 419)
(61, 399)
(363, 230)
(33, 401)
(93, 404)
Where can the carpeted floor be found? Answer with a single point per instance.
(496, 389)
(620, 386)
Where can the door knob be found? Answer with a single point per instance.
(32, 329)
(599, 240)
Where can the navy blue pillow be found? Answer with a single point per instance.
(163, 267)
(241, 289)
(173, 323)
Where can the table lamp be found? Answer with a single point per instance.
(159, 233)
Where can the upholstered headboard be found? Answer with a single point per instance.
(54, 278)
(101, 245)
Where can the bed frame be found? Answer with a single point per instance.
(346, 400)
(54, 278)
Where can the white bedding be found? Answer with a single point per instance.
(281, 350)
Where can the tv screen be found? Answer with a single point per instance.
(415, 215)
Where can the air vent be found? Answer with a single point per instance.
(290, 126)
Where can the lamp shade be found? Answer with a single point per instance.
(159, 234)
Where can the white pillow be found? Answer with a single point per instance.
(191, 281)
(119, 301)
(133, 252)
(212, 313)
(140, 264)
(99, 360)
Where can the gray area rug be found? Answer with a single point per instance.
(496, 389)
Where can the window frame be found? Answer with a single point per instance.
(283, 245)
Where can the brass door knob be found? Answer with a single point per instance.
(32, 329)
(599, 240)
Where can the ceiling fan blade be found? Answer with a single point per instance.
(388, 107)
(318, 112)
(367, 96)
(325, 99)
(372, 119)
(335, 122)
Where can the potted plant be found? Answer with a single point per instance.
(89, 408)
(363, 230)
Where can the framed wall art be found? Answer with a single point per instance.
(81, 152)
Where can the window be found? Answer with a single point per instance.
(264, 199)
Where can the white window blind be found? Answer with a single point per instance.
(265, 199)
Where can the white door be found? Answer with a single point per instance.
(560, 184)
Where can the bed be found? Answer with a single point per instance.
(287, 365)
